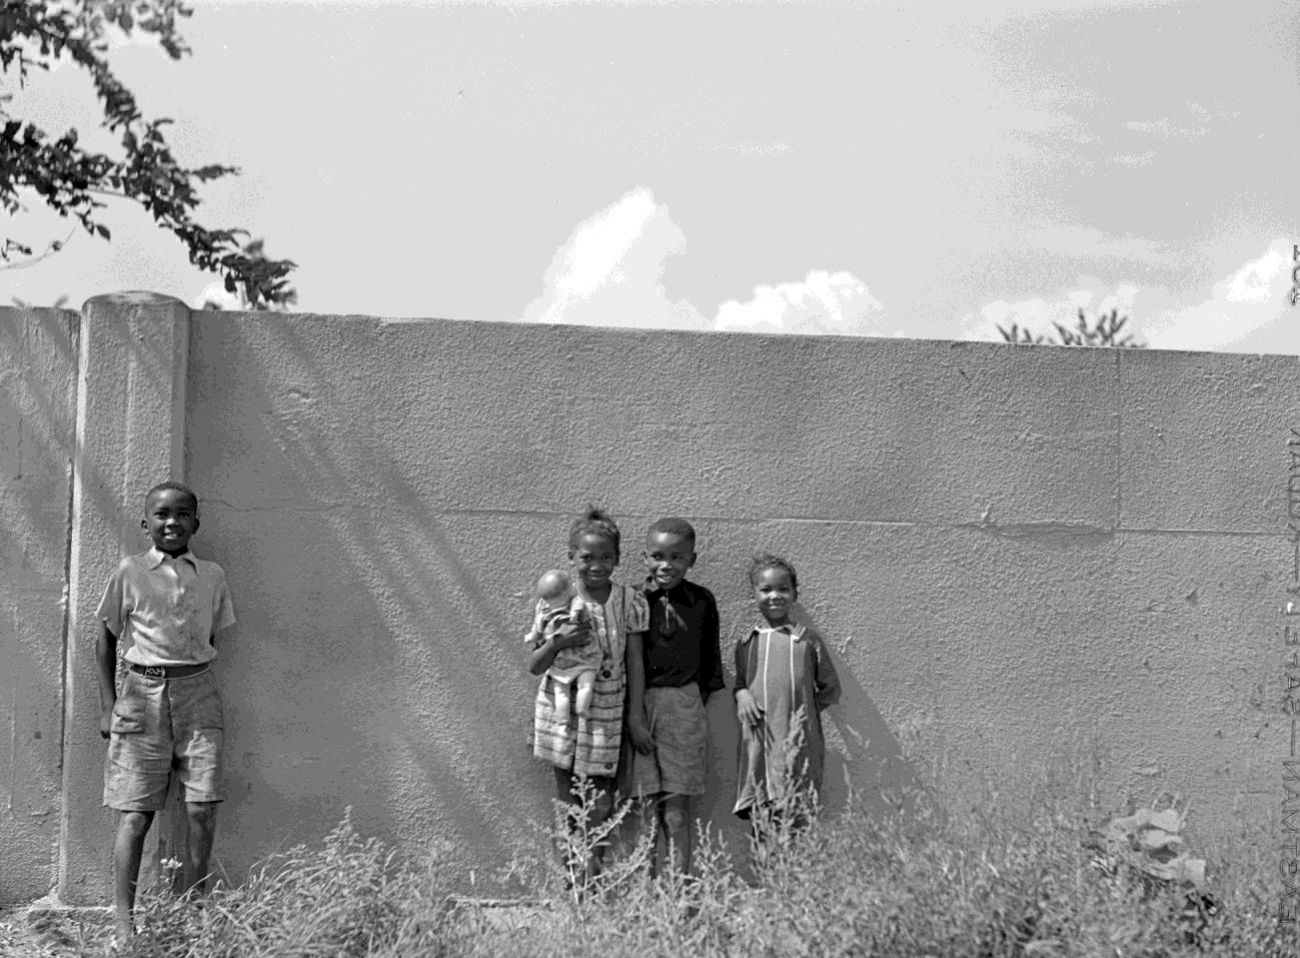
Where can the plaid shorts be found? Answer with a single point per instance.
(159, 725)
(680, 732)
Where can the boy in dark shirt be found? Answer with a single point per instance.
(667, 724)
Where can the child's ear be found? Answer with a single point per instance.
(691, 564)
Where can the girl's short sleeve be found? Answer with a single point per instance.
(638, 612)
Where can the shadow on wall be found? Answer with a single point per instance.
(378, 662)
(864, 761)
(367, 669)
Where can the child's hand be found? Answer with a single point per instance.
(639, 733)
(105, 722)
(748, 711)
(571, 635)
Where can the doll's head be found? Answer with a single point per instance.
(555, 589)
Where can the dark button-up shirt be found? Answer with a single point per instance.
(681, 646)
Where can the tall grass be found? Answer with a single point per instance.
(996, 880)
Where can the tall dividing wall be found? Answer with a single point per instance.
(1020, 557)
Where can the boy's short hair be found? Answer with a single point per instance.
(594, 522)
(766, 560)
(674, 526)
(178, 486)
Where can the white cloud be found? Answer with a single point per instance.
(1245, 304)
(1085, 241)
(215, 292)
(609, 272)
(755, 147)
(1243, 312)
(1194, 122)
(822, 303)
(1039, 315)
(1134, 159)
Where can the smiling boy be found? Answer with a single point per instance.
(683, 666)
(164, 606)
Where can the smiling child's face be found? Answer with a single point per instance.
(775, 594)
(593, 561)
(171, 518)
(668, 556)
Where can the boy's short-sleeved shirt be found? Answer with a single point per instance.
(681, 645)
(164, 610)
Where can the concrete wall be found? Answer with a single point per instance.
(1019, 555)
(37, 398)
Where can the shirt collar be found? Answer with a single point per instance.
(156, 557)
(792, 629)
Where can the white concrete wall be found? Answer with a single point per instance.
(37, 390)
(1019, 555)
(1013, 551)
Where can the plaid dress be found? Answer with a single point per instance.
(589, 744)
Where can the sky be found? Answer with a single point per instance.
(852, 168)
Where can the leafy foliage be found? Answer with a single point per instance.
(69, 179)
(1108, 330)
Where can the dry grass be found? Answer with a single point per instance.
(997, 882)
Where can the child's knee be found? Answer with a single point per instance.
(675, 820)
(133, 825)
(201, 814)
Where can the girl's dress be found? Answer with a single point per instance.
(588, 745)
(785, 669)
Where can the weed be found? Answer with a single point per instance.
(993, 879)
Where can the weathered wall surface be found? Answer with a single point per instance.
(1015, 552)
(37, 406)
(1019, 556)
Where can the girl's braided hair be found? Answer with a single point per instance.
(594, 522)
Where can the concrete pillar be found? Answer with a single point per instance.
(130, 434)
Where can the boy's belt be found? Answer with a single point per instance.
(168, 671)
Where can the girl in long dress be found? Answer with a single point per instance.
(784, 678)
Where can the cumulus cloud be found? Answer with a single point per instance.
(1038, 314)
(822, 303)
(1243, 311)
(216, 294)
(1253, 298)
(609, 272)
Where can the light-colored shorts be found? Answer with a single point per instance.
(679, 730)
(159, 725)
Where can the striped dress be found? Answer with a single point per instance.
(785, 669)
(589, 744)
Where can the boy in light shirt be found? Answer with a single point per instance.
(163, 607)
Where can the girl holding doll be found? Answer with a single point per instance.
(584, 749)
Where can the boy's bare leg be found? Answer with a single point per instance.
(675, 831)
(203, 826)
(128, 847)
